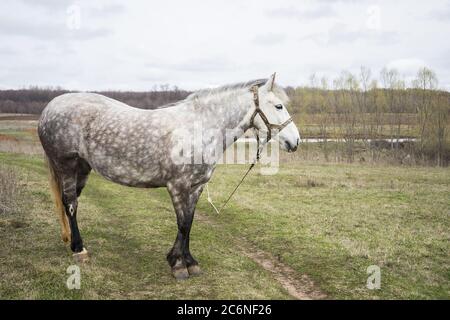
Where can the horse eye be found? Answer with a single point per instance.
(279, 106)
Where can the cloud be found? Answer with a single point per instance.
(56, 19)
(202, 64)
(407, 67)
(441, 14)
(7, 51)
(48, 4)
(49, 29)
(62, 5)
(316, 12)
(269, 39)
(340, 34)
(136, 44)
(110, 9)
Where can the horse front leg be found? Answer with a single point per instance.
(179, 258)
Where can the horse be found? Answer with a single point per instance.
(142, 148)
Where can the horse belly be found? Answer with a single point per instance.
(124, 173)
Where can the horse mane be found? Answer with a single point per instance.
(278, 90)
(226, 88)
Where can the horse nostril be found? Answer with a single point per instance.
(298, 141)
(288, 145)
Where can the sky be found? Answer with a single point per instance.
(135, 45)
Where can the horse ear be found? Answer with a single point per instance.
(271, 82)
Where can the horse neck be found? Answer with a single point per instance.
(228, 112)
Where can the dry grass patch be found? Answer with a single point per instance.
(10, 191)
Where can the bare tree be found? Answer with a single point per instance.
(425, 82)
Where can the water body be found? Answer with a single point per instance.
(318, 140)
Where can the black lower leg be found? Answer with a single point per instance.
(71, 205)
(180, 254)
(184, 203)
(175, 257)
(77, 243)
(188, 258)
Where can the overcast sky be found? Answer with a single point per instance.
(133, 45)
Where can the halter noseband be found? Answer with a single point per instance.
(270, 126)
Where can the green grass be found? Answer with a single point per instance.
(333, 221)
(327, 221)
(128, 233)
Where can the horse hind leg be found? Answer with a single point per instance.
(70, 194)
(175, 257)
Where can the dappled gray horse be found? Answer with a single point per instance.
(147, 148)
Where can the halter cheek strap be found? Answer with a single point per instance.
(258, 111)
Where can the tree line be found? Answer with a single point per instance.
(34, 99)
(365, 113)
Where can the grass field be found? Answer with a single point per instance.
(320, 225)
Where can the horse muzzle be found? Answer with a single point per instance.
(291, 147)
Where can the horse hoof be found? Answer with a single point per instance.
(81, 257)
(180, 273)
(194, 270)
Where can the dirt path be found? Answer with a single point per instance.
(299, 286)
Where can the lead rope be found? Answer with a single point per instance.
(210, 200)
(258, 154)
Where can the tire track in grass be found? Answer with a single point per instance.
(299, 286)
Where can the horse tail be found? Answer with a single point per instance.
(55, 187)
